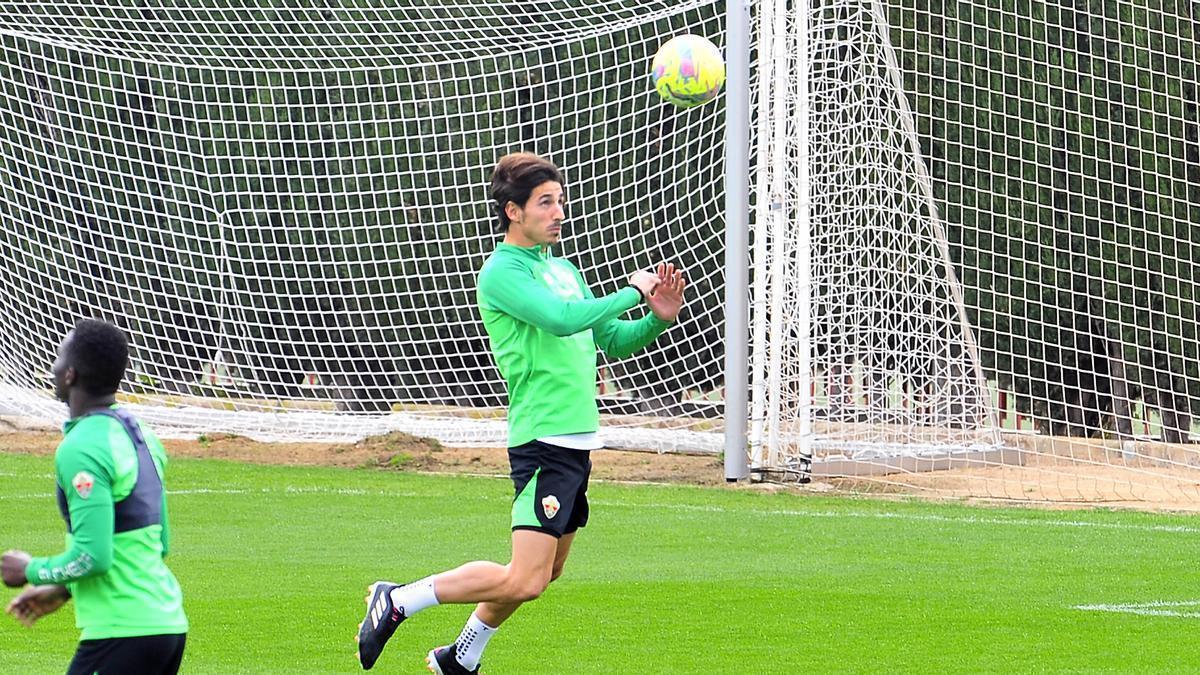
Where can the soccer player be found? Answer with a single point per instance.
(544, 326)
(108, 472)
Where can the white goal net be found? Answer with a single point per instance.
(975, 225)
(979, 241)
(285, 204)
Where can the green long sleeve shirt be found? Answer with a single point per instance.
(119, 581)
(544, 326)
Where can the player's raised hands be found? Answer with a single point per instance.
(667, 297)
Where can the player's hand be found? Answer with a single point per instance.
(12, 567)
(667, 298)
(37, 601)
(644, 282)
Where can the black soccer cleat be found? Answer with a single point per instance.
(442, 661)
(382, 619)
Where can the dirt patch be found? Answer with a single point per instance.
(397, 451)
(1053, 473)
(1048, 483)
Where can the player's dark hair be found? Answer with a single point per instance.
(514, 179)
(99, 353)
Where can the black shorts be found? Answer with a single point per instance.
(146, 655)
(551, 487)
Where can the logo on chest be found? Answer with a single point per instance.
(562, 282)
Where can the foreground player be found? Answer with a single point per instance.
(544, 326)
(108, 472)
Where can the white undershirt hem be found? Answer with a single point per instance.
(589, 441)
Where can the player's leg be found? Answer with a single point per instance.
(532, 566)
(551, 487)
(550, 483)
(494, 613)
(522, 579)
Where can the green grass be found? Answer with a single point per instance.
(274, 561)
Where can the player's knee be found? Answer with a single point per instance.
(527, 586)
(527, 590)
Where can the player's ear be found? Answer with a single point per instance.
(514, 212)
(70, 375)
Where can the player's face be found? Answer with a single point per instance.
(539, 221)
(62, 372)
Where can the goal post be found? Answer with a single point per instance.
(737, 226)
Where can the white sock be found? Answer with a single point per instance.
(469, 646)
(414, 597)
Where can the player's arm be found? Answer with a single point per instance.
(87, 483)
(619, 338)
(510, 288)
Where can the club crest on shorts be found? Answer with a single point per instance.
(550, 505)
(83, 483)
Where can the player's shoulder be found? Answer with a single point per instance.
(494, 258)
(87, 439)
(502, 263)
(89, 428)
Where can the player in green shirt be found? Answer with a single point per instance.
(108, 475)
(544, 326)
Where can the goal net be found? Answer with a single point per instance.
(285, 205)
(978, 247)
(974, 225)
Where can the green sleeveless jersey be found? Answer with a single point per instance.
(112, 497)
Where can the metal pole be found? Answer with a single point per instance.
(764, 124)
(801, 76)
(737, 227)
(780, 226)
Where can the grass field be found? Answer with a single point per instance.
(274, 561)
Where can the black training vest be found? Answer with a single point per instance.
(143, 506)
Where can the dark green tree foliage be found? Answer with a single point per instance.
(106, 216)
(1062, 137)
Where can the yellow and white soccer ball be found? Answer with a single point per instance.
(688, 70)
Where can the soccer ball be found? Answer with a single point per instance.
(688, 70)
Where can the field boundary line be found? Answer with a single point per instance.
(1153, 608)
